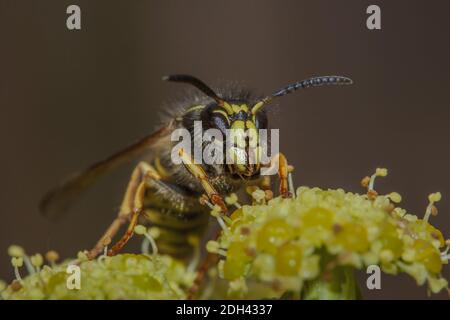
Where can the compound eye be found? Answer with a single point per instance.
(261, 120)
(219, 121)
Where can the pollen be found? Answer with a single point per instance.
(395, 197)
(82, 256)
(216, 211)
(150, 236)
(16, 251)
(379, 172)
(17, 262)
(214, 247)
(52, 256)
(269, 195)
(431, 208)
(140, 230)
(232, 200)
(365, 182)
(259, 195)
(435, 197)
(37, 260)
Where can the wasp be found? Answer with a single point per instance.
(166, 195)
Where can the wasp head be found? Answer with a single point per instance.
(240, 127)
(240, 121)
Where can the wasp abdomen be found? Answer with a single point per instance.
(178, 216)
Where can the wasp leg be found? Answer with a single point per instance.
(210, 260)
(197, 171)
(138, 207)
(130, 209)
(279, 163)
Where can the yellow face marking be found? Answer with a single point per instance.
(246, 154)
(196, 107)
(227, 107)
(238, 124)
(224, 114)
(237, 133)
(250, 124)
(237, 108)
(257, 106)
(252, 134)
(238, 155)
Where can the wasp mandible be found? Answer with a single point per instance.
(163, 194)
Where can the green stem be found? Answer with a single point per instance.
(342, 285)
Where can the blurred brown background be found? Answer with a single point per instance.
(69, 98)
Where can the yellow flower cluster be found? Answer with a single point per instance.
(125, 276)
(289, 242)
(304, 247)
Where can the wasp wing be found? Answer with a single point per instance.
(56, 202)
